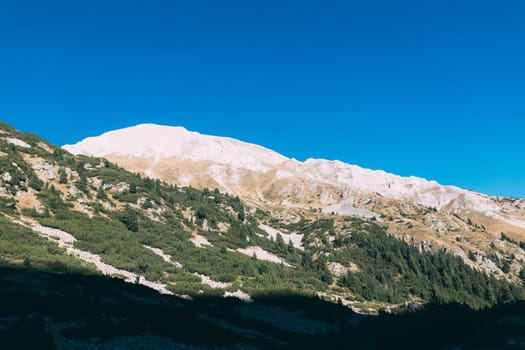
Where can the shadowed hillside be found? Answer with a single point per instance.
(60, 311)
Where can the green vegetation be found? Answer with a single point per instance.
(123, 248)
(394, 271)
(130, 219)
(52, 199)
(112, 240)
(22, 246)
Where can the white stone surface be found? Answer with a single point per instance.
(18, 142)
(200, 241)
(240, 295)
(295, 238)
(346, 207)
(212, 283)
(164, 256)
(262, 254)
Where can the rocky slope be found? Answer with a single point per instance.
(423, 212)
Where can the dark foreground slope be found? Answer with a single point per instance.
(62, 311)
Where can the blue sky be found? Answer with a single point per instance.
(428, 88)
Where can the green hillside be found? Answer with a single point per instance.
(120, 216)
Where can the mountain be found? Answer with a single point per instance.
(161, 146)
(423, 212)
(95, 256)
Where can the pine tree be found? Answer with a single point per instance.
(506, 267)
(101, 194)
(290, 246)
(130, 218)
(522, 274)
(62, 176)
(279, 241)
(240, 215)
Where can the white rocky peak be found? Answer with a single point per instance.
(229, 158)
(160, 142)
(376, 181)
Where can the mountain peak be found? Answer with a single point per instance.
(183, 157)
(152, 141)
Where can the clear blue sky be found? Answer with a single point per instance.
(428, 88)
